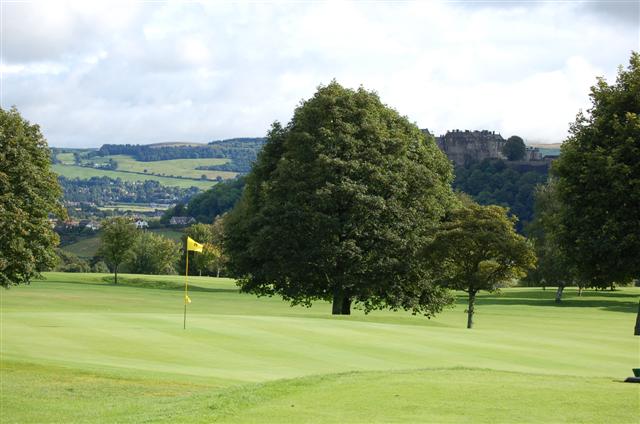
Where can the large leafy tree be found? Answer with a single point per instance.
(477, 248)
(338, 206)
(29, 191)
(118, 237)
(598, 176)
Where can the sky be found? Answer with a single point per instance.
(93, 72)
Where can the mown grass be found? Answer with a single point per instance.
(90, 351)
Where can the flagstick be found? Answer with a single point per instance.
(186, 291)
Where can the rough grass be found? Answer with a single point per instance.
(90, 351)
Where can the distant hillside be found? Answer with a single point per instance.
(174, 144)
(241, 152)
(555, 146)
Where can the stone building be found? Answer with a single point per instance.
(465, 147)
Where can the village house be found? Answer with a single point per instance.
(93, 225)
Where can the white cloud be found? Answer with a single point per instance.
(97, 72)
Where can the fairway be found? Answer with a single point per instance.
(90, 351)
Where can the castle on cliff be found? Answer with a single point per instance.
(465, 147)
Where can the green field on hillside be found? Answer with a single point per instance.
(87, 247)
(172, 167)
(135, 207)
(77, 349)
(66, 158)
(71, 171)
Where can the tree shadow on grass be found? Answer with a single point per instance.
(146, 283)
(615, 301)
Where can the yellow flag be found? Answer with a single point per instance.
(193, 245)
(187, 299)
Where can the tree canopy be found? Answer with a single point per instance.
(153, 254)
(117, 239)
(477, 248)
(497, 182)
(598, 176)
(338, 206)
(29, 191)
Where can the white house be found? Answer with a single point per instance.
(141, 224)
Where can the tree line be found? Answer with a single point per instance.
(123, 247)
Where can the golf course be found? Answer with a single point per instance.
(77, 348)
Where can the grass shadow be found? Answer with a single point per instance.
(145, 283)
(611, 301)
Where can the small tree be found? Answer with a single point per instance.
(29, 191)
(514, 148)
(118, 236)
(477, 248)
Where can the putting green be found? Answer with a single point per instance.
(92, 351)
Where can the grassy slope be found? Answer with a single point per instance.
(70, 171)
(134, 207)
(88, 247)
(181, 167)
(66, 158)
(94, 352)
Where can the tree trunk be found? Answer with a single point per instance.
(115, 272)
(579, 290)
(636, 332)
(336, 307)
(472, 302)
(612, 286)
(341, 302)
(346, 305)
(559, 293)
